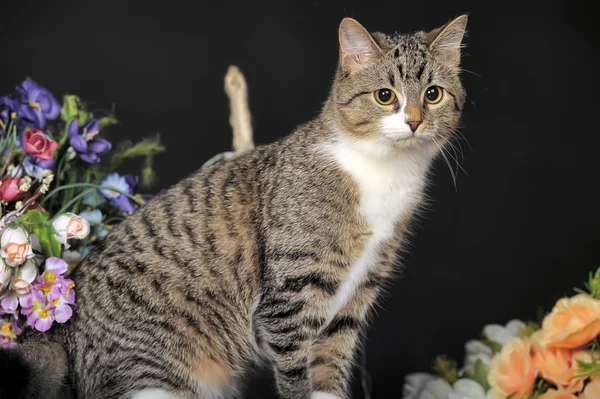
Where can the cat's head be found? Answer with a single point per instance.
(400, 90)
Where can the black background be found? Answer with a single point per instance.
(519, 231)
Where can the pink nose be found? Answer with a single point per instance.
(414, 125)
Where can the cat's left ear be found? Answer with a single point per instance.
(357, 47)
(445, 42)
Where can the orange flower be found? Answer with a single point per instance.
(558, 394)
(572, 323)
(513, 371)
(592, 390)
(559, 366)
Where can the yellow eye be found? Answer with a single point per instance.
(434, 94)
(385, 96)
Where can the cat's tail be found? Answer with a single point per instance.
(34, 369)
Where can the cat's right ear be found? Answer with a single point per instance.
(357, 47)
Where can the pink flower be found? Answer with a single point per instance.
(35, 306)
(9, 190)
(15, 246)
(70, 226)
(24, 276)
(39, 145)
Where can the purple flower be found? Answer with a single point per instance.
(35, 167)
(86, 144)
(8, 106)
(37, 103)
(35, 307)
(8, 332)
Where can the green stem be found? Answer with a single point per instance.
(75, 199)
(91, 185)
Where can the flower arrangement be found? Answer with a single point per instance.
(557, 359)
(57, 199)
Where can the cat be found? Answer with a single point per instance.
(278, 253)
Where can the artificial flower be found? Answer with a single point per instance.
(474, 351)
(503, 334)
(8, 333)
(592, 389)
(24, 276)
(39, 145)
(34, 306)
(558, 394)
(572, 323)
(87, 145)
(513, 371)
(9, 190)
(127, 184)
(560, 367)
(38, 103)
(70, 226)
(6, 273)
(37, 168)
(425, 386)
(465, 388)
(15, 246)
(8, 108)
(93, 217)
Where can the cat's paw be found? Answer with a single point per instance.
(323, 395)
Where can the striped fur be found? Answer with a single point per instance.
(279, 253)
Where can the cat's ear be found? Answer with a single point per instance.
(445, 42)
(357, 47)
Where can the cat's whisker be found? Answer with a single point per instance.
(447, 162)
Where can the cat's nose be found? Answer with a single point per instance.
(414, 125)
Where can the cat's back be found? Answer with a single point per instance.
(179, 279)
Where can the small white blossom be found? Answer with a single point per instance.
(425, 386)
(18, 205)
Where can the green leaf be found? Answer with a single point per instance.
(144, 148)
(84, 116)
(38, 223)
(480, 375)
(107, 121)
(70, 107)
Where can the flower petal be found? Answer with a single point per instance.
(497, 333)
(56, 265)
(62, 313)
(468, 388)
(99, 146)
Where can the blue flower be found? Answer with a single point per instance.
(93, 200)
(35, 167)
(93, 217)
(126, 184)
(116, 181)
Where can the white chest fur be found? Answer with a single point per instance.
(389, 186)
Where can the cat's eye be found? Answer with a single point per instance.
(434, 94)
(385, 96)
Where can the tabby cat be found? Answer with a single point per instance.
(276, 254)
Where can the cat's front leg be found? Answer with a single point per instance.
(332, 355)
(288, 337)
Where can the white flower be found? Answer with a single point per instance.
(468, 389)
(474, 351)
(24, 276)
(15, 246)
(70, 226)
(425, 386)
(500, 334)
(5, 275)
